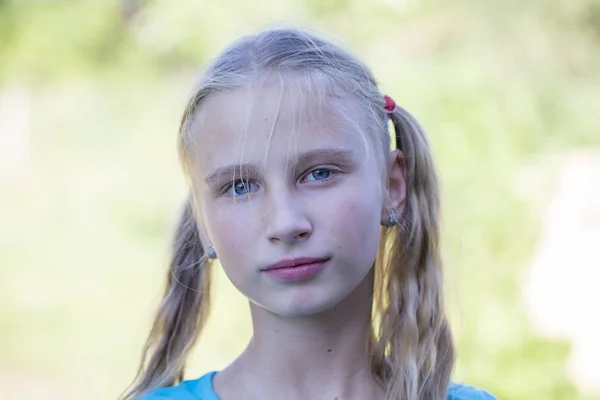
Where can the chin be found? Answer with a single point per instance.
(304, 303)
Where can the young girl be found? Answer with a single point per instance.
(332, 237)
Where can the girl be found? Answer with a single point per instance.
(331, 237)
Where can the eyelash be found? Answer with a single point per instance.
(230, 186)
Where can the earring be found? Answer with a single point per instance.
(212, 254)
(392, 218)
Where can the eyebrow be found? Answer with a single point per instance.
(332, 155)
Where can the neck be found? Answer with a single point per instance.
(322, 356)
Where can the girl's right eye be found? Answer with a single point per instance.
(241, 187)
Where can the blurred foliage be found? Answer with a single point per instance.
(84, 237)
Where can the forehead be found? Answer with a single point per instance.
(268, 123)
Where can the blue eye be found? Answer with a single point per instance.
(242, 188)
(320, 174)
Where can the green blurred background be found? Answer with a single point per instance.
(90, 98)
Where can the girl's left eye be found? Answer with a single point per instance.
(320, 174)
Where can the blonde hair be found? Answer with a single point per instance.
(411, 348)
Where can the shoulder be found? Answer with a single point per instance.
(197, 389)
(458, 391)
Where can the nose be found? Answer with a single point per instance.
(286, 220)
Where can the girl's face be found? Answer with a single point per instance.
(275, 185)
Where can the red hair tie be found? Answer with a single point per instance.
(390, 104)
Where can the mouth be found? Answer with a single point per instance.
(296, 268)
(294, 263)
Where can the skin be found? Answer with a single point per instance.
(311, 188)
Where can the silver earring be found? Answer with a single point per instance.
(212, 254)
(392, 218)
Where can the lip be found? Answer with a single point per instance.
(294, 262)
(296, 269)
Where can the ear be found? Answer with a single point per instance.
(204, 239)
(395, 192)
(202, 232)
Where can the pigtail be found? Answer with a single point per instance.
(181, 315)
(412, 350)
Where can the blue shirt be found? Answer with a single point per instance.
(202, 389)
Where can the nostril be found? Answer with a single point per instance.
(303, 235)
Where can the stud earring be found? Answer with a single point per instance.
(392, 218)
(212, 254)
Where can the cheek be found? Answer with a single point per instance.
(356, 224)
(231, 232)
